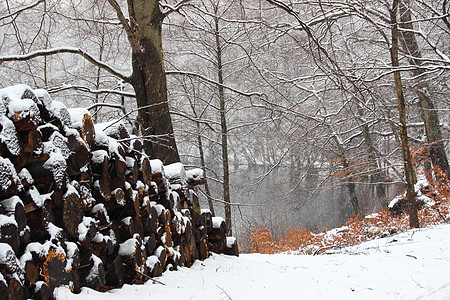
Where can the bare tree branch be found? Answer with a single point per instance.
(17, 12)
(89, 90)
(53, 51)
(445, 14)
(204, 78)
(112, 105)
(131, 35)
(175, 8)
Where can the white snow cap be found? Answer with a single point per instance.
(7, 257)
(217, 221)
(43, 96)
(17, 93)
(77, 116)
(111, 128)
(98, 156)
(8, 174)
(128, 247)
(19, 102)
(231, 240)
(59, 111)
(100, 138)
(175, 170)
(157, 166)
(21, 108)
(195, 174)
(57, 165)
(5, 220)
(24, 174)
(10, 203)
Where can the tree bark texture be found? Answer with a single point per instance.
(149, 81)
(407, 161)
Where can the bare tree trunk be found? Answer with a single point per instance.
(351, 188)
(422, 90)
(375, 176)
(224, 129)
(149, 80)
(350, 185)
(203, 164)
(99, 71)
(409, 172)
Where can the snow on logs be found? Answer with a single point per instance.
(82, 205)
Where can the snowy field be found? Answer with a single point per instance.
(411, 265)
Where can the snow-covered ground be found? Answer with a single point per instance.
(410, 265)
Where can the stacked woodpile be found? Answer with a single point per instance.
(82, 205)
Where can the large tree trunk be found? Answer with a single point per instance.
(149, 81)
(407, 161)
(422, 90)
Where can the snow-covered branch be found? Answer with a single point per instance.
(170, 9)
(195, 120)
(97, 21)
(442, 55)
(89, 90)
(53, 51)
(14, 13)
(130, 112)
(209, 80)
(112, 105)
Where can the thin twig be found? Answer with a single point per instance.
(440, 215)
(151, 278)
(223, 291)
(327, 247)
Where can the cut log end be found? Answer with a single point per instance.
(73, 210)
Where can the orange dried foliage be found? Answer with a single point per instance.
(262, 241)
(380, 224)
(296, 239)
(355, 166)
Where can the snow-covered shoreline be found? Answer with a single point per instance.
(411, 265)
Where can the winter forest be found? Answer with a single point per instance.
(301, 114)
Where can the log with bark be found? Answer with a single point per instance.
(232, 247)
(94, 275)
(73, 210)
(82, 121)
(9, 181)
(133, 259)
(217, 237)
